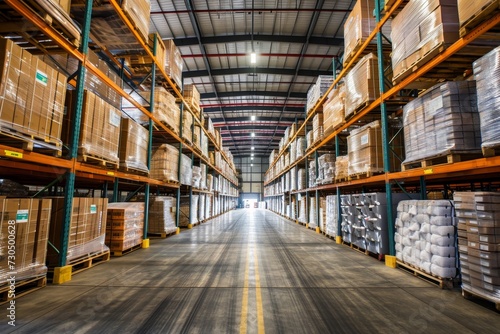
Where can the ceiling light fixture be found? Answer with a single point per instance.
(253, 58)
(252, 134)
(252, 117)
(252, 154)
(251, 165)
(253, 148)
(251, 158)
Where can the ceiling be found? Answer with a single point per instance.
(294, 40)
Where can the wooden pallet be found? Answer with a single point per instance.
(433, 279)
(364, 175)
(95, 160)
(29, 142)
(471, 293)
(369, 49)
(133, 170)
(22, 288)
(440, 160)
(485, 13)
(162, 235)
(379, 257)
(125, 251)
(491, 151)
(357, 110)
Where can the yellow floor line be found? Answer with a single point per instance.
(244, 303)
(260, 308)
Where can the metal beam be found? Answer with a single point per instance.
(191, 41)
(251, 70)
(298, 95)
(254, 107)
(259, 120)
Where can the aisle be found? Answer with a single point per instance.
(248, 271)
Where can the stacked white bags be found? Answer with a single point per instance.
(426, 236)
(332, 215)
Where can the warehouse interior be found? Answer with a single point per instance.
(250, 166)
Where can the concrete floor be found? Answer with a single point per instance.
(248, 271)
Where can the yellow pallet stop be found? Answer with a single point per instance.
(62, 274)
(145, 243)
(318, 230)
(178, 230)
(390, 261)
(338, 239)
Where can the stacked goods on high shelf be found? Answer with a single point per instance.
(422, 29)
(192, 98)
(124, 225)
(426, 236)
(364, 147)
(358, 26)
(69, 65)
(173, 62)
(26, 222)
(209, 126)
(479, 214)
(301, 179)
(317, 128)
(312, 173)
(361, 85)
(293, 151)
(134, 144)
(196, 177)
(487, 74)
(208, 206)
(162, 215)
(200, 140)
(189, 211)
(12, 189)
(187, 122)
(322, 214)
(316, 216)
(302, 216)
(87, 229)
(317, 90)
(186, 171)
(165, 163)
(203, 180)
(334, 110)
(201, 208)
(332, 215)
(472, 13)
(100, 127)
(210, 182)
(32, 96)
(442, 121)
(300, 147)
(293, 179)
(341, 168)
(165, 109)
(196, 137)
(326, 169)
(365, 222)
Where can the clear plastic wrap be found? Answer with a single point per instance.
(32, 217)
(313, 213)
(162, 215)
(165, 163)
(300, 147)
(302, 217)
(317, 90)
(186, 170)
(416, 238)
(487, 75)
(138, 11)
(317, 127)
(443, 120)
(364, 147)
(419, 28)
(134, 141)
(87, 228)
(196, 177)
(189, 210)
(331, 215)
(342, 167)
(326, 169)
(173, 61)
(31, 95)
(301, 179)
(100, 127)
(310, 138)
(358, 26)
(468, 10)
(334, 110)
(124, 225)
(312, 174)
(208, 206)
(361, 84)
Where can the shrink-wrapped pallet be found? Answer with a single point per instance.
(173, 61)
(208, 206)
(134, 142)
(196, 177)
(30, 219)
(342, 167)
(162, 215)
(100, 127)
(189, 210)
(300, 147)
(302, 217)
(124, 225)
(197, 136)
(293, 179)
(364, 147)
(187, 122)
(358, 26)
(192, 97)
(87, 228)
(361, 84)
(332, 215)
(426, 236)
(317, 90)
(186, 170)
(165, 163)
(201, 207)
(487, 75)
(422, 27)
(317, 127)
(31, 96)
(334, 110)
(313, 213)
(471, 13)
(326, 169)
(312, 174)
(348, 214)
(442, 121)
(301, 179)
(310, 139)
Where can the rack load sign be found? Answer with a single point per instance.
(93, 208)
(22, 216)
(41, 77)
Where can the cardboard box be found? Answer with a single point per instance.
(134, 143)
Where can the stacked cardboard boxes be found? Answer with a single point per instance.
(302, 216)
(480, 249)
(426, 236)
(124, 225)
(134, 142)
(487, 74)
(87, 228)
(317, 90)
(162, 215)
(32, 95)
(189, 210)
(443, 120)
(361, 84)
(29, 218)
(192, 98)
(165, 163)
(420, 28)
(174, 62)
(187, 122)
(100, 127)
(358, 26)
(165, 109)
(334, 110)
(326, 169)
(317, 127)
(341, 167)
(364, 146)
(474, 10)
